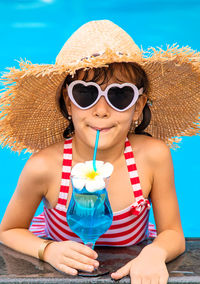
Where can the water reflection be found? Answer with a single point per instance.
(21, 4)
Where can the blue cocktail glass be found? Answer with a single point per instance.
(89, 215)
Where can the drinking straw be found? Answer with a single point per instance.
(95, 151)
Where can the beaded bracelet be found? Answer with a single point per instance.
(42, 249)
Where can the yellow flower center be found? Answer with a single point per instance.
(91, 174)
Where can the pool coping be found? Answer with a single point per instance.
(16, 267)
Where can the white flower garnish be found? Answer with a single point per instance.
(83, 174)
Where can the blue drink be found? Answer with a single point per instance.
(89, 214)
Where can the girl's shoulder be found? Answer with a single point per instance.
(50, 152)
(46, 161)
(154, 150)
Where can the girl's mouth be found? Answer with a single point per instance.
(101, 129)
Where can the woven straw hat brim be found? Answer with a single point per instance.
(30, 118)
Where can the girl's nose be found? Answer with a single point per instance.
(101, 108)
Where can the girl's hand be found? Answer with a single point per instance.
(146, 268)
(69, 256)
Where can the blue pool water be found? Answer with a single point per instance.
(36, 31)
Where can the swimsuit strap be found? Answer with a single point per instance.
(140, 201)
(132, 170)
(66, 170)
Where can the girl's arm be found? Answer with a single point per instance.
(170, 242)
(31, 187)
(33, 184)
(170, 239)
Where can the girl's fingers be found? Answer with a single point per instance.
(77, 265)
(145, 281)
(155, 280)
(67, 269)
(136, 280)
(163, 279)
(83, 249)
(123, 271)
(82, 258)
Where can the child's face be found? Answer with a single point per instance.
(114, 124)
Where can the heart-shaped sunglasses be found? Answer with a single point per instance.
(119, 96)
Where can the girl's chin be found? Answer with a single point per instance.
(105, 140)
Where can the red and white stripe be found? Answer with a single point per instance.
(130, 225)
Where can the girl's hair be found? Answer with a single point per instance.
(106, 73)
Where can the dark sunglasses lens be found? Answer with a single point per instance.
(121, 97)
(84, 95)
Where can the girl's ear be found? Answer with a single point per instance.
(139, 106)
(67, 101)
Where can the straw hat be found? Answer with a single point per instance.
(30, 118)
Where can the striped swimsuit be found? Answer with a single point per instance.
(130, 225)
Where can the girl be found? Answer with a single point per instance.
(49, 118)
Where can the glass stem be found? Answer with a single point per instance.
(90, 245)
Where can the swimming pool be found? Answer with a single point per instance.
(36, 30)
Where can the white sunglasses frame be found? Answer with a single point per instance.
(103, 93)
